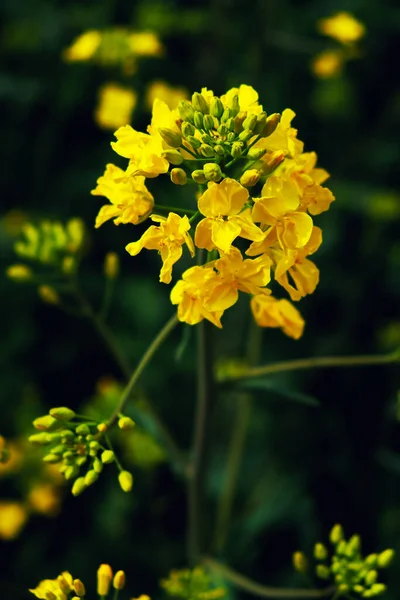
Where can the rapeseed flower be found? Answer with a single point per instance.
(115, 106)
(343, 27)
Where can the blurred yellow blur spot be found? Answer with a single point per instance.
(327, 64)
(15, 460)
(145, 43)
(384, 206)
(167, 93)
(44, 498)
(342, 27)
(83, 47)
(13, 517)
(115, 106)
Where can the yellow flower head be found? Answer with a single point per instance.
(115, 106)
(13, 516)
(162, 117)
(284, 138)
(53, 585)
(145, 152)
(145, 43)
(342, 27)
(222, 204)
(163, 91)
(328, 64)
(168, 238)
(131, 201)
(271, 312)
(248, 99)
(83, 47)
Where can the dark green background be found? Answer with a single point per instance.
(305, 467)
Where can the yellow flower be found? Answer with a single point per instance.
(271, 312)
(167, 238)
(13, 516)
(83, 47)
(277, 208)
(131, 201)
(44, 498)
(342, 27)
(327, 64)
(303, 272)
(115, 106)
(284, 138)
(145, 152)
(191, 293)
(248, 99)
(222, 204)
(52, 585)
(162, 116)
(145, 43)
(163, 91)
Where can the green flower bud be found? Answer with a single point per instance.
(237, 125)
(371, 577)
(231, 124)
(271, 124)
(67, 436)
(300, 562)
(207, 139)
(237, 149)
(320, 552)
(198, 120)
(216, 107)
(178, 176)
(188, 129)
(46, 423)
(250, 122)
(107, 456)
(385, 558)
(246, 135)
(83, 430)
(52, 458)
(231, 137)
(359, 588)
(322, 571)
(223, 130)
(198, 176)
(250, 178)
(171, 137)
(194, 142)
(97, 465)
(219, 150)
(336, 535)
(212, 172)
(60, 449)
(256, 153)
(125, 481)
(92, 452)
(208, 122)
(377, 589)
(341, 548)
(79, 588)
(186, 111)
(371, 560)
(225, 115)
(343, 588)
(173, 156)
(207, 151)
(200, 103)
(126, 424)
(90, 477)
(62, 413)
(261, 120)
(79, 486)
(94, 445)
(353, 545)
(81, 460)
(68, 454)
(71, 472)
(41, 439)
(235, 108)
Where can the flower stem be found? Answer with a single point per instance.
(257, 589)
(316, 363)
(197, 472)
(175, 209)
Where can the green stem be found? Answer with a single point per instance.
(174, 209)
(257, 589)
(197, 474)
(317, 363)
(108, 293)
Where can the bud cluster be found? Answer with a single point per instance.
(74, 442)
(191, 584)
(350, 572)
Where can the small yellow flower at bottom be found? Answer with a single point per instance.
(168, 238)
(104, 579)
(115, 106)
(271, 312)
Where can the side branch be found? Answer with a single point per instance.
(316, 363)
(257, 589)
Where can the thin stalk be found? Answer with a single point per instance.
(316, 363)
(197, 473)
(175, 209)
(264, 591)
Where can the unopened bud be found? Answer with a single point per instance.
(46, 423)
(62, 413)
(200, 103)
(125, 481)
(271, 161)
(377, 589)
(250, 122)
(261, 120)
(230, 124)
(173, 156)
(371, 577)
(111, 265)
(71, 472)
(126, 423)
(40, 438)
(79, 486)
(320, 552)
(107, 456)
(231, 137)
(237, 149)
(353, 545)
(219, 150)
(178, 176)
(216, 107)
(235, 107)
(48, 294)
(198, 120)
(256, 153)
(271, 124)
(322, 572)
(90, 477)
(223, 130)
(212, 172)
(246, 135)
(385, 558)
(68, 265)
(79, 588)
(194, 142)
(171, 137)
(52, 459)
(83, 429)
(209, 123)
(198, 176)
(186, 111)
(225, 115)
(19, 272)
(104, 579)
(250, 177)
(206, 151)
(343, 588)
(97, 465)
(119, 580)
(207, 139)
(63, 584)
(300, 562)
(102, 427)
(188, 129)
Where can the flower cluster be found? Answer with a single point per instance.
(258, 194)
(349, 571)
(191, 585)
(65, 586)
(73, 441)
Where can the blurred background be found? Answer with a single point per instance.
(327, 453)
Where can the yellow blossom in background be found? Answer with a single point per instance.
(115, 106)
(342, 27)
(168, 238)
(271, 312)
(145, 43)
(247, 99)
(131, 201)
(13, 516)
(328, 64)
(163, 91)
(83, 47)
(44, 498)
